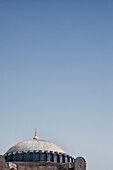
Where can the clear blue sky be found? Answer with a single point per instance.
(56, 74)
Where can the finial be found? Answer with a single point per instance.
(35, 135)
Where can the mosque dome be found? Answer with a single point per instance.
(40, 154)
(35, 145)
(36, 150)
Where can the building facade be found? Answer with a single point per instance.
(39, 154)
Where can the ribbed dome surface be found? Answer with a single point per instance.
(37, 145)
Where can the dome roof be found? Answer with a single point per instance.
(35, 144)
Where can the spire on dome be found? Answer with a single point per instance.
(35, 135)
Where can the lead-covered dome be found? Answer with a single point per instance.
(37, 150)
(35, 145)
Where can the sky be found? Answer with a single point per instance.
(56, 75)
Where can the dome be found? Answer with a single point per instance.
(35, 145)
(37, 150)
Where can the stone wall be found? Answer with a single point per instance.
(42, 166)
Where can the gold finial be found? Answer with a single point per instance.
(35, 135)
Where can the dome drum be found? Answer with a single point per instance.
(40, 156)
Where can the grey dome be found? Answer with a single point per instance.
(37, 145)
